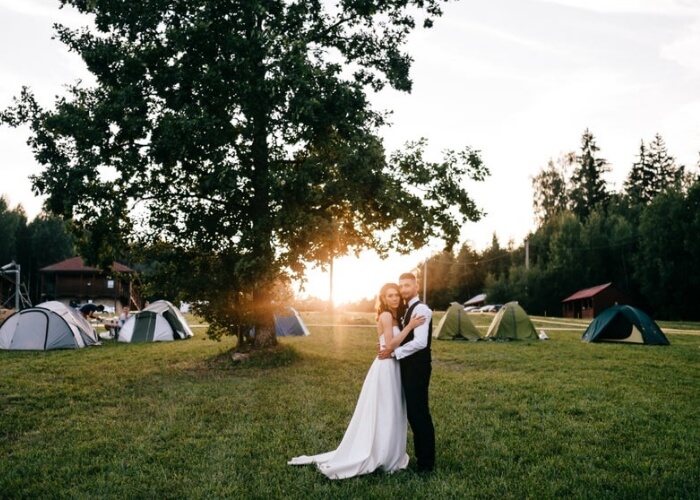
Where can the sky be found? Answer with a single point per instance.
(518, 80)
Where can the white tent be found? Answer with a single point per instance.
(74, 319)
(159, 322)
(49, 325)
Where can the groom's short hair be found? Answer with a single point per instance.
(407, 276)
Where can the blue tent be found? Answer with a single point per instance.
(290, 324)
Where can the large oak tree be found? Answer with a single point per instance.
(237, 139)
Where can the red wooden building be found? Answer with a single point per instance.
(590, 302)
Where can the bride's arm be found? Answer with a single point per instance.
(396, 340)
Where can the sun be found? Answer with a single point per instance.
(357, 278)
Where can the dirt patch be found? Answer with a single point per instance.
(5, 313)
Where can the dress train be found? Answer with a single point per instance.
(376, 436)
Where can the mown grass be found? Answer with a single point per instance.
(547, 419)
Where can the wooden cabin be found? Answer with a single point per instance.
(71, 281)
(590, 302)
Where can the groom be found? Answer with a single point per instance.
(414, 357)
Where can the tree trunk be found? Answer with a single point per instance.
(265, 337)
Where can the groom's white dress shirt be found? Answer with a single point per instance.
(420, 333)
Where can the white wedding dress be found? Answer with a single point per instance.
(376, 436)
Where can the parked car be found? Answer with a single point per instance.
(471, 309)
(491, 308)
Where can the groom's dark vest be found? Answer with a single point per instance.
(422, 356)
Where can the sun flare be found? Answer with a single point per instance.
(357, 278)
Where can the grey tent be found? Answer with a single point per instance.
(159, 322)
(623, 323)
(49, 325)
(455, 324)
(290, 324)
(76, 320)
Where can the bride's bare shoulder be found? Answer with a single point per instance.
(385, 318)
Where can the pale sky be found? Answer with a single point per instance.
(519, 80)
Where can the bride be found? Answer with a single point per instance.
(376, 436)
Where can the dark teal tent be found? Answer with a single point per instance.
(624, 323)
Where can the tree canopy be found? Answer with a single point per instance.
(550, 189)
(238, 135)
(31, 245)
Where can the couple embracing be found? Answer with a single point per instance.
(395, 389)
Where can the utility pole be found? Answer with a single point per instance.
(425, 281)
(331, 302)
(527, 254)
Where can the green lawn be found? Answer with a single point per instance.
(547, 419)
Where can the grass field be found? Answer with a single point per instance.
(547, 419)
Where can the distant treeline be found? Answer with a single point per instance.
(32, 245)
(644, 239)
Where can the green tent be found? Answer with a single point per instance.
(624, 323)
(455, 324)
(511, 323)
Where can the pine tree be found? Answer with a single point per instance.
(639, 183)
(654, 173)
(588, 186)
(668, 176)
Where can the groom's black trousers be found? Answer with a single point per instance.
(415, 378)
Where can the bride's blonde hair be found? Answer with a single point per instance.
(380, 304)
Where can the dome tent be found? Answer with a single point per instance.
(49, 325)
(623, 323)
(74, 319)
(511, 323)
(159, 322)
(455, 324)
(290, 324)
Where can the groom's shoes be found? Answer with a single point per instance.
(424, 470)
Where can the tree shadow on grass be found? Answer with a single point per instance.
(256, 359)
